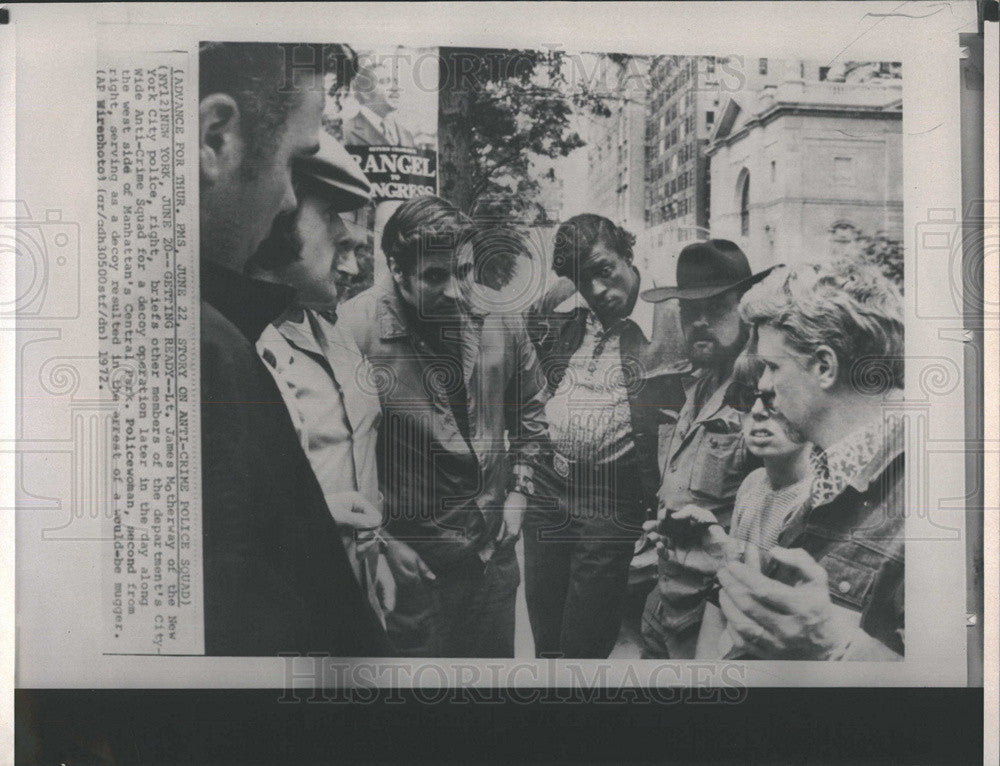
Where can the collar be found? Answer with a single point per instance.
(250, 304)
(576, 303)
(857, 460)
(724, 394)
(390, 313)
(596, 327)
(294, 327)
(642, 312)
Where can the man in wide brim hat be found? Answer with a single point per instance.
(702, 457)
(706, 269)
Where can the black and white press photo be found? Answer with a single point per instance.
(553, 380)
(526, 353)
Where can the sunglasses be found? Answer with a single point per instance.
(766, 398)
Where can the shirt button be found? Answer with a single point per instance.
(844, 587)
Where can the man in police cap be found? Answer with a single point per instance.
(702, 456)
(276, 576)
(317, 365)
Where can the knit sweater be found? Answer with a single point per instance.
(760, 512)
(759, 515)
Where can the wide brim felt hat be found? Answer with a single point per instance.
(334, 174)
(706, 269)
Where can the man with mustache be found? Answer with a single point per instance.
(703, 457)
(276, 577)
(317, 365)
(463, 428)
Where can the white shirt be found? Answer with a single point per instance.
(589, 415)
(328, 388)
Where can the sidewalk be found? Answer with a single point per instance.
(629, 642)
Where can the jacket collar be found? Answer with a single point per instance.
(294, 326)
(390, 314)
(893, 445)
(577, 308)
(250, 304)
(858, 460)
(726, 394)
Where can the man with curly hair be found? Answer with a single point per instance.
(603, 412)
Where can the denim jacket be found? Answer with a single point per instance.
(858, 537)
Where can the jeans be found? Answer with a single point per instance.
(577, 553)
(467, 611)
(661, 639)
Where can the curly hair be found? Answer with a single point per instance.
(847, 305)
(577, 236)
(254, 74)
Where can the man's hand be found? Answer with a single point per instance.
(775, 620)
(706, 554)
(405, 563)
(385, 584)
(513, 517)
(354, 511)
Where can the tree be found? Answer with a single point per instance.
(886, 253)
(500, 109)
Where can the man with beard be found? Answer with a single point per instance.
(276, 576)
(458, 384)
(603, 415)
(703, 458)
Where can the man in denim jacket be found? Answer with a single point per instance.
(831, 340)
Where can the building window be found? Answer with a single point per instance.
(843, 172)
(744, 188)
(709, 119)
(710, 65)
(762, 66)
(774, 170)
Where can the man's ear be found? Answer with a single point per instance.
(827, 367)
(397, 273)
(220, 147)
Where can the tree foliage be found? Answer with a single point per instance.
(886, 253)
(502, 112)
(503, 109)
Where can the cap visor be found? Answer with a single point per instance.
(343, 195)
